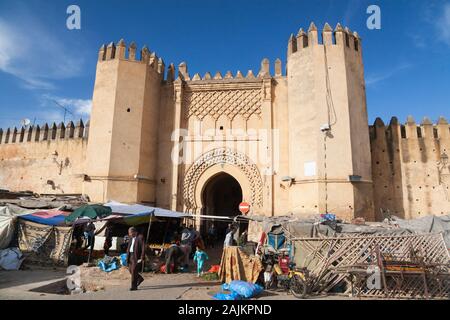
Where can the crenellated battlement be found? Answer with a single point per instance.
(264, 72)
(45, 132)
(411, 130)
(409, 167)
(338, 37)
(120, 51)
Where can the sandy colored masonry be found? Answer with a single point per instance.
(295, 140)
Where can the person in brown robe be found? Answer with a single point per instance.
(135, 257)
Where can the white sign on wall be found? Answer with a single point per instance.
(310, 169)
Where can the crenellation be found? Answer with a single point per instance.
(339, 35)
(145, 55)
(36, 133)
(153, 62)
(443, 128)
(110, 51)
(7, 136)
(207, 76)
(250, 75)
(411, 128)
(61, 131)
(44, 133)
(121, 49)
(378, 129)
(79, 129)
(327, 35)
(265, 69)
(427, 128)
(313, 35)
(278, 68)
(263, 73)
(70, 130)
(228, 75)
(22, 134)
(183, 72)
(218, 76)
(350, 39)
(356, 41)
(14, 135)
(171, 73)
(132, 51)
(102, 53)
(292, 45)
(29, 133)
(161, 66)
(302, 39)
(53, 131)
(86, 129)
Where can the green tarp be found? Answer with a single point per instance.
(89, 211)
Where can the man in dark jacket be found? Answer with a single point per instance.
(174, 255)
(135, 257)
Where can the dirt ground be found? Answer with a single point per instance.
(49, 284)
(40, 283)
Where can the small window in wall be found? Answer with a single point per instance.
(129, 110)
(221, 127)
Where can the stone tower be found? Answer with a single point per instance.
(329, 146)
(120, 159)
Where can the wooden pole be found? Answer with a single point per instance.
(148, 234)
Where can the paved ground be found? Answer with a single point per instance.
(49, 284)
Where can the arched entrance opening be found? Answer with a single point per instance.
(221, 196)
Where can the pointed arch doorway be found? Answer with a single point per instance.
(221, 196)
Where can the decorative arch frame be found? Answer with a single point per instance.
(222, 156)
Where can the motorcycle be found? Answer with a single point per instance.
(292, 279)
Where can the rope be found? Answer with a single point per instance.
(330, 109)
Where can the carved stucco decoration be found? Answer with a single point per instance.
(218, 156)
(244, 102)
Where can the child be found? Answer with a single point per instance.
(200, 257)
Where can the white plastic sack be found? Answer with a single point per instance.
(11, 259)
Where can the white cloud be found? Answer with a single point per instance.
(78, 107)
(376, 78)
(443, 24)
(33, 54)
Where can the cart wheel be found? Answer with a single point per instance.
(298, 287)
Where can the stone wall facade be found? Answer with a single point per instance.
(43, 159)
(295, 143)
(411, 171)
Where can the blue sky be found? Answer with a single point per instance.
(407, 62)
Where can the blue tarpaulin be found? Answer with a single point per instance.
(141, 210)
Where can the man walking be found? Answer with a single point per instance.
(229, 239)
(135, 257)
(211, 235)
